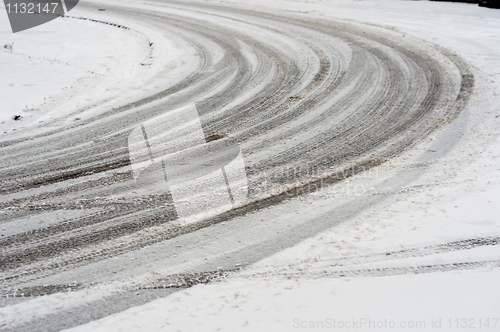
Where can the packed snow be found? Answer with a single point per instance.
(365, 273)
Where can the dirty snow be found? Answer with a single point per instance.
(456, 197)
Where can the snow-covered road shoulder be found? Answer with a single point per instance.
(55, 72)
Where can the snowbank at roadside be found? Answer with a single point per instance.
(76, 67)
(47, 66)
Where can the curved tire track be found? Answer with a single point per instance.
(305, 99)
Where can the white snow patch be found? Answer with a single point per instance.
(430, 301)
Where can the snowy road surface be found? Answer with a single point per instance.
(369, 134)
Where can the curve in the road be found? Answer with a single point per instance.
(304, 98)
